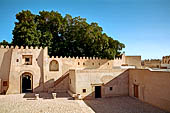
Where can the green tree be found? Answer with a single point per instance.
(64, 36)
(25, 32)
(5, 43)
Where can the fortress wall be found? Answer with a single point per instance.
(166, 60)
(153, 87)
(18, 68)
(67, 63)
(119, 61)
(153, 63)
(43, 78)
(133, 61)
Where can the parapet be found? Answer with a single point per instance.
(78, 58)
(20, 47)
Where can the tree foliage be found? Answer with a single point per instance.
(5, 43)
(64, 36)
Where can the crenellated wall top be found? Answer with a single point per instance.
(19, 47)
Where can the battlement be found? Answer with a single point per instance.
(20, 47)
(166, 56)
(65, 57)
(83, 58)
(152, 60)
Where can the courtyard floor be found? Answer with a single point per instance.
(20, 104)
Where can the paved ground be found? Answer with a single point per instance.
(121, 105)
(21, 103)
(26, 104)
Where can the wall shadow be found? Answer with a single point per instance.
(40, 64)
(5, 68)
(118, 86)
(121, 104)
(115, 88)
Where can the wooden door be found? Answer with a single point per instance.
(136, 91)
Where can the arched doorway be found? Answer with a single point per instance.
(26, 83)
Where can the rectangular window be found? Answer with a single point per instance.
(70, 81)
(84, 90)
(27, 59)
(111, 88)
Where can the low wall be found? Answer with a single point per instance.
(153, 87)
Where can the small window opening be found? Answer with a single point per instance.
(27, 59)
(78, 63)
(84, 90)
(92, 63)
(70, 81)
(17, 60)
(83, 63)
(111, 88)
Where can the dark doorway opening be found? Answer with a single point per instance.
(97, 91)
(26, 83)
(136, 91)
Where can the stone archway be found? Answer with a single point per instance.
(26, 83)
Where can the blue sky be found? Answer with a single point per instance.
(142, 25)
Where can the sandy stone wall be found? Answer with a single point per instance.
(18, 67)
(166, 60)
(0, 85)
(16, 61)
(5, 62)
(153, 87)
(153, 63)
(72, 81)
(88, 79)
(133, 61)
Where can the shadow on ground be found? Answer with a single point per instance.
(121, 105)
(31, 96)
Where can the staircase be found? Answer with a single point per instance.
(60, 85)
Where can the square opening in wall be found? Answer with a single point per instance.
(84, 90)
(27, 59)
